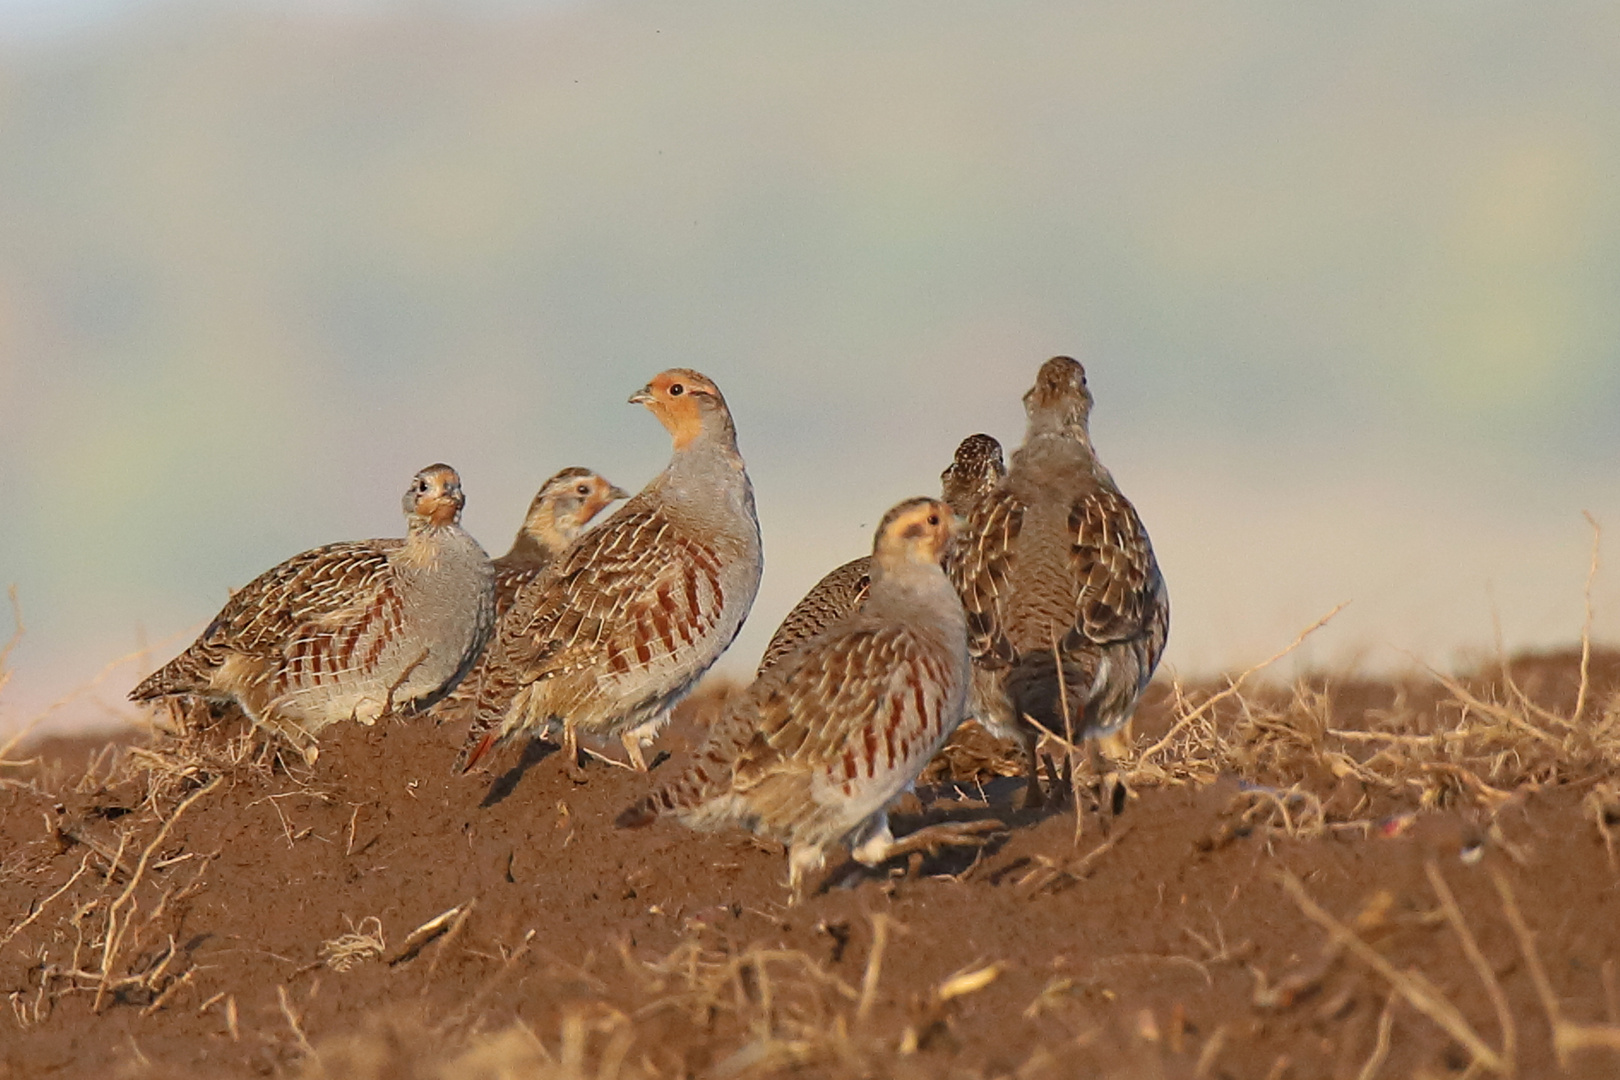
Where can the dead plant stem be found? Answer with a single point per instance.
(1232, 689)
(1482, 966)
(1418, 992)
(114, 932)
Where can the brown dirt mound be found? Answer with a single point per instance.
(1338, 879)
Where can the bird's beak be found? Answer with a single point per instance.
(644, 396)
(615, 493)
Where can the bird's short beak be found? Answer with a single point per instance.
(615, 492)
(644, 396)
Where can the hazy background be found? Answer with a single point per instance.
(1346, 279)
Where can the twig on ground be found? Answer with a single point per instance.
(874, 966)
(1380, 1050)
(1586, 627)
(418, 939)
(43, 904)
(1416, 990)
(292, 1020)
(1567, 1035)
(114, 931)
(1482, 966)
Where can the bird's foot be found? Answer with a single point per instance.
(930, 839)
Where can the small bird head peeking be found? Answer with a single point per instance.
(1059, 401)
(687, 403)
(973, 473)
(434, 497)
(566, 503)
(914, 533)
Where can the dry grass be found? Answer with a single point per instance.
(1312, 758)
(772, 1011)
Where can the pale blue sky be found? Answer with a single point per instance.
(1343, 277)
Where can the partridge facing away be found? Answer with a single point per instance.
(558, 513)
(350, 631)
(973, 472)
(813, 752)
(630, 617)
(1067, 612)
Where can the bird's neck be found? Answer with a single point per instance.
(528, 548)
(905, 582)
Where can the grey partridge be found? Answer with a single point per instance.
(637, 610)
(349, 631)
(1067, 611)
(558, 513)
(816, 748)
(973, 472)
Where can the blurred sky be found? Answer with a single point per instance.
(1346, 279)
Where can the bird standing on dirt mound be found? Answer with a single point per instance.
(973, 473)
(348, 631)
(558, 513)
(812, 753)
(1067, 612)
(635, 611)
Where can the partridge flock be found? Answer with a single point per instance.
(1027, 598)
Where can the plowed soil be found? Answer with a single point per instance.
(1291, 891)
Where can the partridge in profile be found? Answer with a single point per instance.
(813, 752)
(635, 611)
(973, 473)
(558, 513)
(1067, 612)
(350, 631)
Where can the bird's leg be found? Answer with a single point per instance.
(1110, 788)
(1033, 797)
(879, 845)
(571, 754)
(872, 842)
(802, 859)
(632, 750)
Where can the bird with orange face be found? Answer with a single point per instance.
(558, 513)
(974, 472)
(634, 612)
(820, 744)
(355, 630)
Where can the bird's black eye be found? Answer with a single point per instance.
(583, 489)
(933, 519)
(676, 390)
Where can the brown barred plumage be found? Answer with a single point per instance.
(635, 611)
(557, 514)
(348, 631)
(974, 471)
(820, 744)
(1065, 603)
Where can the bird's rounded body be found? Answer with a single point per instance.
(840, 591)
(557, 514)
(814, 751)
(349, 631)
(1067, 610)
(974, 471)
(634, 612)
